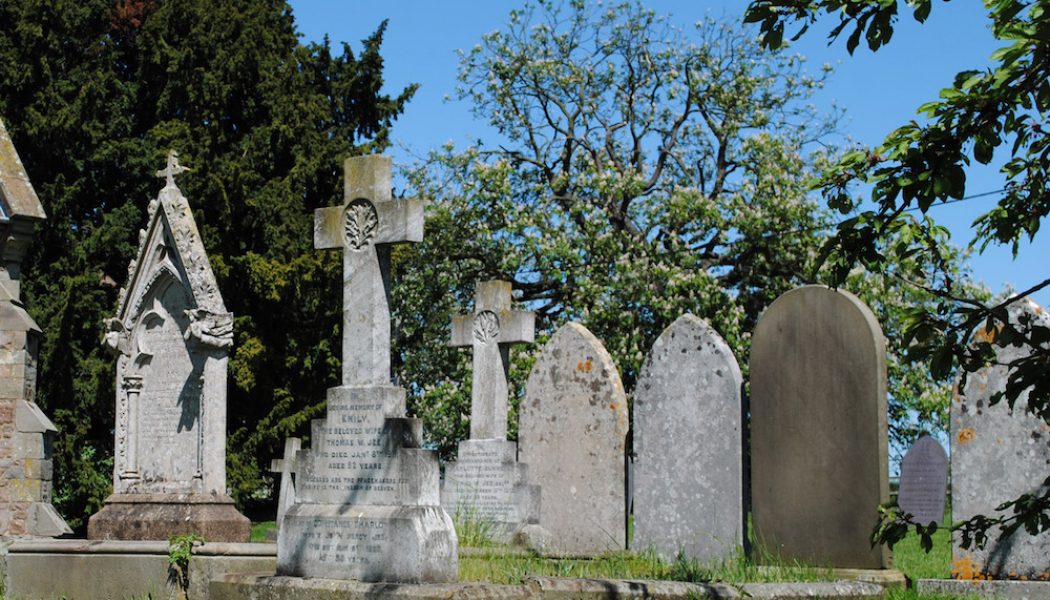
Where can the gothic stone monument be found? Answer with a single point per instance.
(688, 479)
(572, 434)
(486, 482)
(819, 464)
(171, 336)
(25, 433)
(367, 503)
(998, 454)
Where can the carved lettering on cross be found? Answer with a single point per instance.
(490, 331)
(365, 227)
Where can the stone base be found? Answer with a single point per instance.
(158, 517)
(407, 544)
(488, 485)
(999, 589)
(89, 570)
(253, 587)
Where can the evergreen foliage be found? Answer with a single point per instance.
(94, 94)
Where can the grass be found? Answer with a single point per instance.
(259, 530)
(916, 563)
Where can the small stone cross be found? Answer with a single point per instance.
(490, 331)
(172, 169)
(286, 467)
(365, 227)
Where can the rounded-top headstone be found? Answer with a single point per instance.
(688, 483)
(998, 454)
(572, 434)
(819, 448)
(924, 481)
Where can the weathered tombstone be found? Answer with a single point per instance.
(171, 335)
(367, 504)
(486, 483)
(572, 434)
(998, 454)
(924, 481)
(819, 456)
(25, 433)
(688, 479)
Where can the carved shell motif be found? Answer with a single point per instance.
(360, 224)
(486, 326)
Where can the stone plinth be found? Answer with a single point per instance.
(819, 449)
(487, 483)
(160, 516)
(367, 503)
(688, 474)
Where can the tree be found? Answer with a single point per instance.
(94, 93)
(921, 165)
(639, 175)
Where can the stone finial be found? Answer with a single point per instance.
(172, 169)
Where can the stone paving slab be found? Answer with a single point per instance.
(999, 589)
(250, 587)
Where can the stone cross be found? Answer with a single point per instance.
(287, 468)
(490, 331)
(172, 169)
(365, 227)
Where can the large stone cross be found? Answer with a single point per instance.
(491, 330)
(365, 226)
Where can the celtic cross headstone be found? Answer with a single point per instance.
(487, 482)
(367, 502)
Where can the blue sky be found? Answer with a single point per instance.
(878, 91)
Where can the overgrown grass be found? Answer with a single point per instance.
(472, 529)
(260, 528)
(511, 567)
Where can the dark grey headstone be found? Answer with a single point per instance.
(998, 454)
(924, 481)
(819, 451)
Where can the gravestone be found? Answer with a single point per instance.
(286, 466)
(998, 454)
(367, 504)
(171, 336)
(688, 479)
(572, 434)
(26, 434)
(487, 483)
(819, 457)
(924, 481)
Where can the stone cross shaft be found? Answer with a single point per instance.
(490, 331)
(365, 227)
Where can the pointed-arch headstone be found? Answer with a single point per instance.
(688, 480)
(171, 335)
(819, 450)
(572, 434)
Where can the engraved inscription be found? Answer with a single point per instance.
(485, 486)
(357, 542)
(486, 326)
(361, 222)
